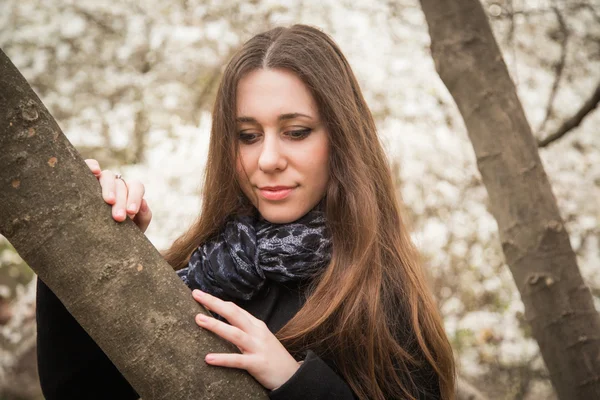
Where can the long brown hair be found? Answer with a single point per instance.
(371, 311)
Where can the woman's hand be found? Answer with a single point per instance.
(126, 199)
(263, 356)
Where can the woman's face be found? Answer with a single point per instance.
(283, 146)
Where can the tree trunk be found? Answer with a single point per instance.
(107, 274)
(536, 246)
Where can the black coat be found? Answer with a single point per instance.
(72, 366)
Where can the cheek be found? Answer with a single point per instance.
(247, 159)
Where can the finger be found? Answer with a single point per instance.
(94, 166)
(107, 181)
(135, 193)
(121, 192)
(252, 319)
(143, 217)
(230, 311)
(230, 360)
(228, 332)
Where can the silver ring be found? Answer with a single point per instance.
(118, 176)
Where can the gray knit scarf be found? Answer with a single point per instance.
(250, 250)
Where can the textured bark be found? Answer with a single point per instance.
(108, 275)
(536, 246)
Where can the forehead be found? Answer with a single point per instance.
(268, 93)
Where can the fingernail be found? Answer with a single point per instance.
(132, 207)
(120, 214)
(111, 195)
(202, 317)
(209, 357)
(196, 292)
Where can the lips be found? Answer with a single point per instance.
(275, 187)
(275, 192)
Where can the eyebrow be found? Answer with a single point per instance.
(282, 117)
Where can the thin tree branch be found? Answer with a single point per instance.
(559, 67)
(589, 7)
(510, 40)
(95, 19)
(466, 391)
(575, 120)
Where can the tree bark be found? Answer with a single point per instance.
(107, 274)
(536, 246)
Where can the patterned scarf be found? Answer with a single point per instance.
(251, 250)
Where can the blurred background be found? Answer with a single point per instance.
(131, 84)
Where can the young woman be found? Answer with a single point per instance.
(300, 229)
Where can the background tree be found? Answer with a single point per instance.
(558, 304)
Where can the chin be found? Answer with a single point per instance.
(281, 215)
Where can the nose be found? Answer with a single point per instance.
(272, 157)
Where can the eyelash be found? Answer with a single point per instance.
(249, 138)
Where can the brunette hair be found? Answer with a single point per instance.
(371, 311)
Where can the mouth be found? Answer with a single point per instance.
(275, 192)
